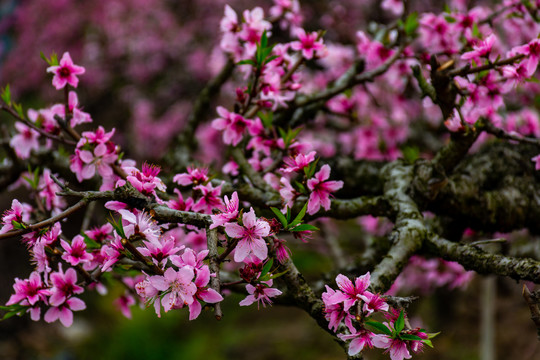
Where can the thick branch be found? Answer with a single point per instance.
(473, 258)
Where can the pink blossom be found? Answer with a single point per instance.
(298, 163)
(64, 311)
(24, 142)
(203, 293)
(76, 252)
(30, 290)
(66, 72)
(360, 339)
(532, 51)
(394, 6)
(536, 160)
(308, 44)
(146, 181)
(123, 303)
(209, 199)
(160, 250)
(320, 190)
(251, 236)
(335, 312)
(64, 286)
(48, 189)
(229, 23)
(234, 126)
(100, 234)
(396, 347)
(372, 303)
(195, 176)
(481, 49)
(139, 223)
(350, 293)
(230, 213)
(260, 293)
(19, 212)
(178, 285)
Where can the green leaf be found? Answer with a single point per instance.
(274, 276)
(246, 62)
(298, 219)
(400, 322)
(266, 268)
(411, 153)
(410, 337)
(280, 216)
(300, 187)
(305, 227)
(311, 169)
(432, 335)
(411, 23)
(288, 214)
(19, 109)
(118, 227)
(9, 314)
(6, 95)
(52, 61)
(18, 225)
(475, 31)
(379, 326)
(267, 118)
(90, 243)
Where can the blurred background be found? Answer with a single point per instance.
(146, 60)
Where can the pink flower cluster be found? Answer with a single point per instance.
(56, 293)
(354, 305)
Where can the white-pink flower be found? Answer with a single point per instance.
(178, 285)
(320, 190)
(261, 293)
(251, 236)
(230, 213)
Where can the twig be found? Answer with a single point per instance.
(48, 222)
(212, 242)
(13, 113)
(466, 70)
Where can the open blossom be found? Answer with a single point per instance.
(334, 313)
(25, 141)
(532, 51)
(360, 339)
(178, 285)
(350, 293)
(308, 43)
(75, 253)
(230, 213)
(203, 293)
(483, 48)
(209, 199)
(234, 126)
(141, 224)
(320, 190)
(195, 176)
(66, 72)
(30, 290)
(260, 293)
(160, 250)
(146, 181)
(19, 212)
(251, 236)
(396, 347)
(298, 163)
